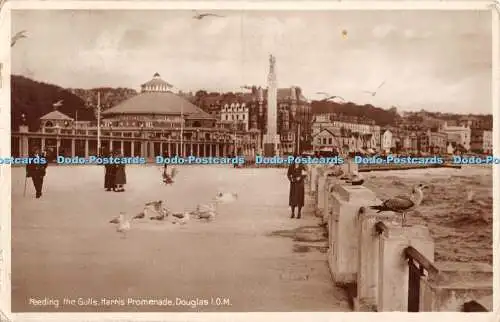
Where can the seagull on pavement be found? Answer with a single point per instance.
(182, 217)
(199, 16)
(403, 204)
(122, 224)
(140, 215)
(226, 197)
(375, 92)
(207, 212)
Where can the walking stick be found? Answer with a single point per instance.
(25, 182)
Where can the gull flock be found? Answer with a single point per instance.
(155, 210)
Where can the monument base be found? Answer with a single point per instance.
(271, 144)
(270, 150)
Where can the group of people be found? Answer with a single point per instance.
(115, 177)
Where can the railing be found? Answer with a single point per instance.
(392, 267)
(417, 264)
(473, 306)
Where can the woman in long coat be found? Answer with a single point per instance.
(120, 175)
(109, 173)
(296, 175)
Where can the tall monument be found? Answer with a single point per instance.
(271, 138)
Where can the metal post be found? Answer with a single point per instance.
(182, 129)
(98, 123)
(298, 138)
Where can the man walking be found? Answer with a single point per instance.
(36, 171)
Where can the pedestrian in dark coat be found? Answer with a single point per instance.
(37, 171)
(109, 173)
(296, 175)
(120, 175)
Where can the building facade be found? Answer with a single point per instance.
(481, 141)
(361, 136)
(154, 122)
(437, 141)
(326, 141)
(459, 135)
(294, 114)
(236, 112)
(386, 141)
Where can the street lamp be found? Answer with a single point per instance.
(182, 119)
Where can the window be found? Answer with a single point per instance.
(330, 141)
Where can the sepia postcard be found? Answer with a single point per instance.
(185, 158)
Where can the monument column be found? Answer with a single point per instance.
(271, 139)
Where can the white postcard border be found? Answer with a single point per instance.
(5, 176)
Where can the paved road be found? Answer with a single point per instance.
(64, 247)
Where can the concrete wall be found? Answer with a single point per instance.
(376, 262)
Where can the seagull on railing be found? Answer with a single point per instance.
(403, 204)
(356, 179)
(375, 92)
(200, 16)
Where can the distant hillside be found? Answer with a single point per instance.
(379, 115)
(109, 96)
(35, 99)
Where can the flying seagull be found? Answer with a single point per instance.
(199, 16)
(17, 36)
(329, 97)
(58, 103)
(495, 6)
(403, 204)
(375, 92)
(470, 198)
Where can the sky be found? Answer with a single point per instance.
(434, 60)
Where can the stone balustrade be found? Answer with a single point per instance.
(385, 266)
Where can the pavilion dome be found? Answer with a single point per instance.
(156, 84)
(157, 103)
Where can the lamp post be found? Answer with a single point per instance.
(182, 120)
(99, 123)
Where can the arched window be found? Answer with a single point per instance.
(49, 124)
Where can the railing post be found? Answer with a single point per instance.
(393, 267)
(346, 202)
(368, 258)
(457, 284)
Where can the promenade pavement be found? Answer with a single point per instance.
(64, 248)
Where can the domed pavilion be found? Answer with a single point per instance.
(154, 122)
(158, 120)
